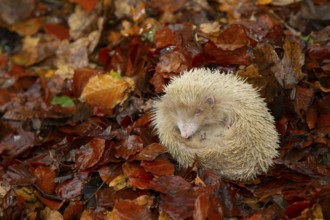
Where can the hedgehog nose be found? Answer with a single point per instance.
(185, 135)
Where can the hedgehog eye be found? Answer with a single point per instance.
(198, 111)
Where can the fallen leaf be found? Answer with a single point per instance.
(72, 188)
(89, 154)
(48, 213)
(88, 6)
(292, 62)
(159, 167)
(149, 152)
(28, 27)
(132, 209)
(45, 178)
(35, 49)
(106, 91)
(57, 30)
(73, 210)
(137, 176)
(303, 99)
(119, 183)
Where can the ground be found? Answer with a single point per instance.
(77, 79)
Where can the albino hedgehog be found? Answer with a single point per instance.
(221, 120)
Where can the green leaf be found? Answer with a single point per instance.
(149, 35)
(115, 74)
(63, 101)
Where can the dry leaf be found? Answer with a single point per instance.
(118, 183)
(35, 49)
(106, 91)
(292, 62)
(28, 27)
(47, 213)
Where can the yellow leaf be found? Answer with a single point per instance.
(263, 2)
(118, 183)
(106, 92)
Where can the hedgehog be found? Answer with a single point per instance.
(218, 119)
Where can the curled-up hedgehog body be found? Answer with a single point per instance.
(218, 118)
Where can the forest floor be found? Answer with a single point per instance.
(77, 79)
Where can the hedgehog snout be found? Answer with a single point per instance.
(187, 129)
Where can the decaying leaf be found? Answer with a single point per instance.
(292, 62)
(106, 91)
(36, 49)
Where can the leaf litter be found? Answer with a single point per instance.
(76, 89)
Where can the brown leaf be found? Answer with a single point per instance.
(11, 13)
(57, 30)
(173, 62)
(72, 188)
(16, 144)
(166, 5)
(108, 173)
(133, 209)
(45, 178)
(88, 6)
(130, 146)
(17, 174)
(222, 57)
(52, 204)
(73, 210)
(159, 167)
(108, 196)
(311, 117)
(89, 154)
(268, 62)
(164, 37)
(149, 152)
(303, 99)
(106, 91)
(35, 49)
(292, 62)
(323, 121)
(137, 176)
(234, 37)
(28, 27)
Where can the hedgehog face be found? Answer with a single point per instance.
(193, 117)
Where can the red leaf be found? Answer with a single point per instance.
(73, 210)
(174, 62)
(158, 82)
(108, 173)
(72, 188)
(57, 30)
(234, 37)
(137, 176)
(88, 6)
(311, 117)
(130, 146)
(223, 57)
(17, 174)
(45, 179)
(89, 154)
(323, 121)
(296, 208)
(131, 210)
(52, 204)
(159, 167)
(108, 196)
(81, 77)
(319, 52)
(164, 37)
(150, 152)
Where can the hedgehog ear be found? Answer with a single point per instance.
(210, 101)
